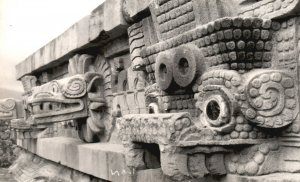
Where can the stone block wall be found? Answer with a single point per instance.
(7, 145)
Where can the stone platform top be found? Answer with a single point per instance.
(92, 31)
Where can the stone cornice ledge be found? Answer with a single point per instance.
(94, 30)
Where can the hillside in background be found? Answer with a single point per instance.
(7, 93)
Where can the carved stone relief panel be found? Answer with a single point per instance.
(232, 81)
(200, 88)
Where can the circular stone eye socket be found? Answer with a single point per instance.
(213, 110)
(183, 66)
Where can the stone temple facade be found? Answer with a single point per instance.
(164, 90)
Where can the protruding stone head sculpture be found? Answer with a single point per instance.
(79, 97)
(11, 109)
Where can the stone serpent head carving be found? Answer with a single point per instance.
(58, 100)
(79, 97)
(10, 109)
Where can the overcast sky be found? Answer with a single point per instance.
(27, 25)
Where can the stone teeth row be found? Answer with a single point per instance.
(48, 106)
(294, 128)
(252, 159)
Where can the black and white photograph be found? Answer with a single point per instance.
(149, 90)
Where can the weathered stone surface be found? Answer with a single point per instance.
(9, 109)
(29, 167)
(74, 98)
(114, 22)
(105, 161)
(133, 8)
(196, 90)
(100, 160)
(6, 176)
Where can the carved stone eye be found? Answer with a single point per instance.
(217, 106)
(213, 110)
(185, 65)
(217, 111)
(54, 87)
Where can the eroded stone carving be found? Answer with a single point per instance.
(10, 109)
(222, 78)
(82, 96)
(99, 96)
(211, 89)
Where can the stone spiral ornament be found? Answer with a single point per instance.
(75, 88)
(271, 97)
